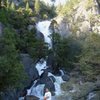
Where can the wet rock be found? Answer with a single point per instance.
(39, 35)
(52, 78)
(50, 85)
(65, 77)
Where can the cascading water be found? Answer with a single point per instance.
(43, 27)
(38, 89)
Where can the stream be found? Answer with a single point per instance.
(38, 91)
(47, 78)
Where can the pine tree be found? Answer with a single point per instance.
(12, 6)
(7, 3)
(37, 6)
(0, 3)
(27, 6)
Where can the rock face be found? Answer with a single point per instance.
(84, 19)
(62, 26)
(39, 35)
(80, 91)
(29, 66)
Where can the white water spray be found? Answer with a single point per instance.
(43, 27)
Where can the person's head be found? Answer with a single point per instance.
(46, 89)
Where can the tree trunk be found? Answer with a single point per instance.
(0, 3)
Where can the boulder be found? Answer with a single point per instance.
(50, 85)
(29, 66)
(31, 97)
(65, 77)
(62, 27)
(30, 27)
(52, 78)
(39, 35)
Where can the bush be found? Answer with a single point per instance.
(66, 51)
(11, 69)
(90, 57)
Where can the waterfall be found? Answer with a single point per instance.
(43, 27)
(38, 89)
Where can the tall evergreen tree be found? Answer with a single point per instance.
(7, 3)
(27, 6)
(37, 6)
(12, 6)
(0, 3)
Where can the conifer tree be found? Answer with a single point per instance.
(0, 3)
(7, 3)
(37, 6)
(27, 6)
(12, 6)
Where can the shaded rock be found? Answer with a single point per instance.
(62, 27)
(10, 94)
(44, 74)
(39, 35)
(29, 66)
(50, 86)
(31, 97)
(30, 27)
(65, 77)
(52, 78)
(50, 60)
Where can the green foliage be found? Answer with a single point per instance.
(11, 70)
(18, 20)
(27, 6)
(66, 51)
(90, 58)
(0, 3)
(37, 6)
(68, 7)
(7, 4)
(38, 50)
(89, 4)
(48, 10)
(12, 6)
(4, 15)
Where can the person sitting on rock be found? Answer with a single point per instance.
(47, 95)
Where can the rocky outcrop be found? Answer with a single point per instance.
(84, 19)
(77, 90)
(61, 27)
(29, 66)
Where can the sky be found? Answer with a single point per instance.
(57, 2)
